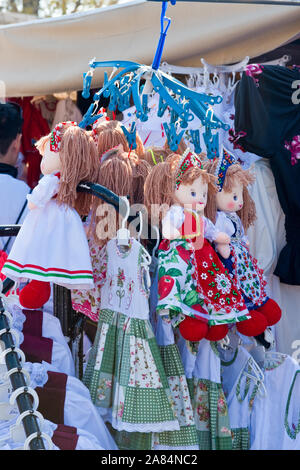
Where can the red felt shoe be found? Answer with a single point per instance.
(254, 326)
(193, 329)
(271, 311)
(35, 294)
(216, 333)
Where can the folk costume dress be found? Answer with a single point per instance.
(192, 279)
(267, 111)
(241, 264)
(275, 420)
(87, 302)
(51, 245)
(125, 372)
(242, 383)
(202, 366)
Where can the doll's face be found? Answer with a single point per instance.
(50, 162)
(230, 201)
(194, 194)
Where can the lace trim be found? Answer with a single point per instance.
(18, 316)
(38, 374)
(253, 373)
(145, 427)
(292, 433)
(273, 360)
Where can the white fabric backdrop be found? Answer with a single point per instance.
(47, 56)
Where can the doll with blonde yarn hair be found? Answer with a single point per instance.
(233, 211)
(194, 289)
(52, 245)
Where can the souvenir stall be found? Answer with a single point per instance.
(152, 308)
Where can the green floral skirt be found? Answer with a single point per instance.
(211, 415)
(125, 373)
(186, 438)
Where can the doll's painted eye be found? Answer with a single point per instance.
(193, 193)
(235, 198)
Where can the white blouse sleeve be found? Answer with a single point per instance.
(224, 224)
(44, 191)
(210, 230)
(244, 236)
(174, 217)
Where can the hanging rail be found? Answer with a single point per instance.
(17, 379)
(294, 3)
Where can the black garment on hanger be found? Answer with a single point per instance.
(8, 170)
(267, 108)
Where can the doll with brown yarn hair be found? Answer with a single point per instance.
(155, 155)
(119, 174)
(180, 150)
(52, 245)
(233, 211)
(116, 174)
(194, 288)
(109, 134)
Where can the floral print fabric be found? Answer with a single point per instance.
(195, 283)
(88, 301)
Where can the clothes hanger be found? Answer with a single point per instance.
(238, 67)
(123, 234)
(147, 258)
(183, 102)
(157, 240)
(141, 227)
(281, 61)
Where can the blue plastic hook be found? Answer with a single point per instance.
(162, 38)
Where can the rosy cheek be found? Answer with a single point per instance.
(230, 205)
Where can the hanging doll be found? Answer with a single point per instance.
(193, 287)
(233, 211)
(109, 134)
(125, 372)
(52, 245)
(115, 173)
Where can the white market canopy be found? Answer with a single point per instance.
(48, 56)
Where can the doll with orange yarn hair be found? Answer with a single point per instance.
(52, 245)
(233, 211)
(194, 288)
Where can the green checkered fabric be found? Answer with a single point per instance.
(211, 415)
(171, 360)
(205, 442)
(137, 394)
(131, 440)
(146, 406)
(186, 437)
(240, 439)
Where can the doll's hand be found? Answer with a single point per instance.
(31, 205)
(223, 249)
(222, 238)
(170, 233)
